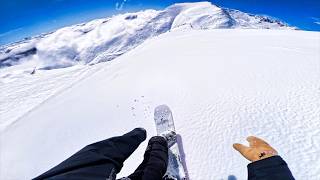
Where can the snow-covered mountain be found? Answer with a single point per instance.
(105, 39)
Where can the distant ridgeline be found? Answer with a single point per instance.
(103, 40)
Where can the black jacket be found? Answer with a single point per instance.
(273, 168)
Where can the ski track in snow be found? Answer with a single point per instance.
(222, 86)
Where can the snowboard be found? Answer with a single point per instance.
(164, 122)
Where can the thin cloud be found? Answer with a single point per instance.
(10, 32)
(120, 5)
(316, 20)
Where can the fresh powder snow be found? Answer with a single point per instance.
(223, 74)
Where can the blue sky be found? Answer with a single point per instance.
(24, 18)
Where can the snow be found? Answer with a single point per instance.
(221, 84)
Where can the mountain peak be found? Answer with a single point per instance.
(192, 4)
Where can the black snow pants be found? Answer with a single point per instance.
(104, 159)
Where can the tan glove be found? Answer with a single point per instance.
(258, 149)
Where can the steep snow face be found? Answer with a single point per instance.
(220, 89)
(105, 39)
(202, 16)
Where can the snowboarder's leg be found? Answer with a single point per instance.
(101, 160)
(155, 162)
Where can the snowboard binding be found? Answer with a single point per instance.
(170, 136)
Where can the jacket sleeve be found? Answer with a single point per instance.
(273, 168)
(101, 160)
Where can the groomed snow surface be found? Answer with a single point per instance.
(222, 86)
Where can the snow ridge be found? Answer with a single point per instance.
(103, 40)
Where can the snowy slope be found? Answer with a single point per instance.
(99, 41)
(105, 39)
(222, 86)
